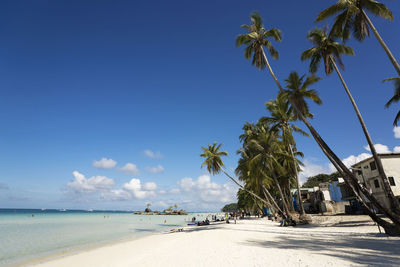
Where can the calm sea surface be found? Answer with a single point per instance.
(24, 237)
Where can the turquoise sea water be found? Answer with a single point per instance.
(24, 237)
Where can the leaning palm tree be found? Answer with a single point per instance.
(328, 50)
(257, 48)
(395, 97)
(281, 117)
(215, 165)
(353, 17)
(298, 93)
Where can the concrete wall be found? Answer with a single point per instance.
(391, 165)
(392, 168)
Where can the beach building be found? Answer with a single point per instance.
(367, 174)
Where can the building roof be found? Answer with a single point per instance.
(379, 155)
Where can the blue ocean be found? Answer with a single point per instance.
(28, 234)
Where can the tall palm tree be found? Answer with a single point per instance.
(395, 97)
(349, 177)
(282, 116)
(215, 165)
(353, 17)
(256, 38)
(326, 48)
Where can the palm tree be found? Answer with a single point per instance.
(215, 165)
(255, 40)
(351, 180)
(297, 92)
(267, 151)
(253, 175)
(326, 48)
(395, 97)
(353, 17)
(281, 117)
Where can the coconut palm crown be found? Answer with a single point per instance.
(212, 157)
(282, 115)
(297, 92)
(256, 38)
(325, 48)
(351, 17)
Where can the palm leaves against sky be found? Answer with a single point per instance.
(281, 116)
(215, 165)
(352, 18)
(256, 38)
(395, 97)
(212, 155)
(325, 49)
(297, 92)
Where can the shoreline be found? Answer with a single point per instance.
(78, 250)
(352, 240)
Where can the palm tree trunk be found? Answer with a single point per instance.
(382, 43)
(290, 198)
(395, 205)
(301, 207)
(271, 198)
(347, 174)
(269, 205)
(248, 191)
(285, 206)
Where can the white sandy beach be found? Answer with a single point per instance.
(336, 241)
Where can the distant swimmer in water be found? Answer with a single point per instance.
(33, 215)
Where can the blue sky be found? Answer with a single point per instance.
(86, 80)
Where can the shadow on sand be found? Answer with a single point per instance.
(361, 248)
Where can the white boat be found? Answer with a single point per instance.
(62, 210)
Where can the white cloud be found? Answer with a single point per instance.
(396, 149)
(162, 204)
(137, 191)
(150, 186)
(351, 160)
(311, 169)
(396, 131)
(104, 163)
(130, 168)
(186, 184)
(208, 191)
(379, 148)
(157, 169)
(116, 195)
(92, 185)
(153, 155)
(104, 188)
(174, 191)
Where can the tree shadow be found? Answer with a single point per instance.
(358, 249)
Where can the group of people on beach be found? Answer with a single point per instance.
(285, 220)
